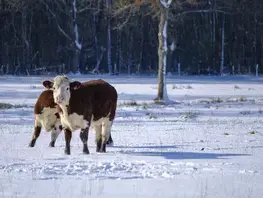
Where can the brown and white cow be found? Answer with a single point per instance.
(82, 105)
(47, 117)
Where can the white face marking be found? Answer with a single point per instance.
(47, 119)
(61, 90)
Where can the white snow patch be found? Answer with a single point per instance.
(196, 147)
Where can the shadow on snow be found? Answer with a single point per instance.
(184, 155)
(149, 147)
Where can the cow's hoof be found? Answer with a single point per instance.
(67, 151)
(52, 144)
(110, 143)
(85, 150)
(32, 143)
(98, 147)
(103, 148)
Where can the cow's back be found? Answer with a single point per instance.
(95, 97)
(104, 99)
(45, 100)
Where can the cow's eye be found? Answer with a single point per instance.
(67, 88)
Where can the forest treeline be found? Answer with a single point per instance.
(120, 36)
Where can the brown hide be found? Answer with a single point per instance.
(96, 97)
(44, 100)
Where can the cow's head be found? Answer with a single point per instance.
(62, 88)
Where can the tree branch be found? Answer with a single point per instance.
(54, 16)
(201, 11)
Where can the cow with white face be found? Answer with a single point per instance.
(82, 105)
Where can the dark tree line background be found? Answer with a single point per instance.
(118, 36)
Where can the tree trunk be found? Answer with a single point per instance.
(75, 66)
(222, 45)
(75, 61)
(118, 52)
(214, 39)
(162, 55)
(24, 36)
(108, 37)
(130, 54)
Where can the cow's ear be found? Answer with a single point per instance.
(47, 84)
(75, 85)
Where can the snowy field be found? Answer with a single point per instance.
(208, 144)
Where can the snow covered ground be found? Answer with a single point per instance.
(208, 144)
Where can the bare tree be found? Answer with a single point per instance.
(71, 31)
(222, 45)
(162, 95)
(163, 8)
(108, 12)
(73, 34)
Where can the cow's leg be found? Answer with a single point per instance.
(54, 134)
(106, 128)
(68, 135)
(84, 134)
(37, 130)
(97, 129)
(110, 141)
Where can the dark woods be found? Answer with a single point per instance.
(117, 36)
